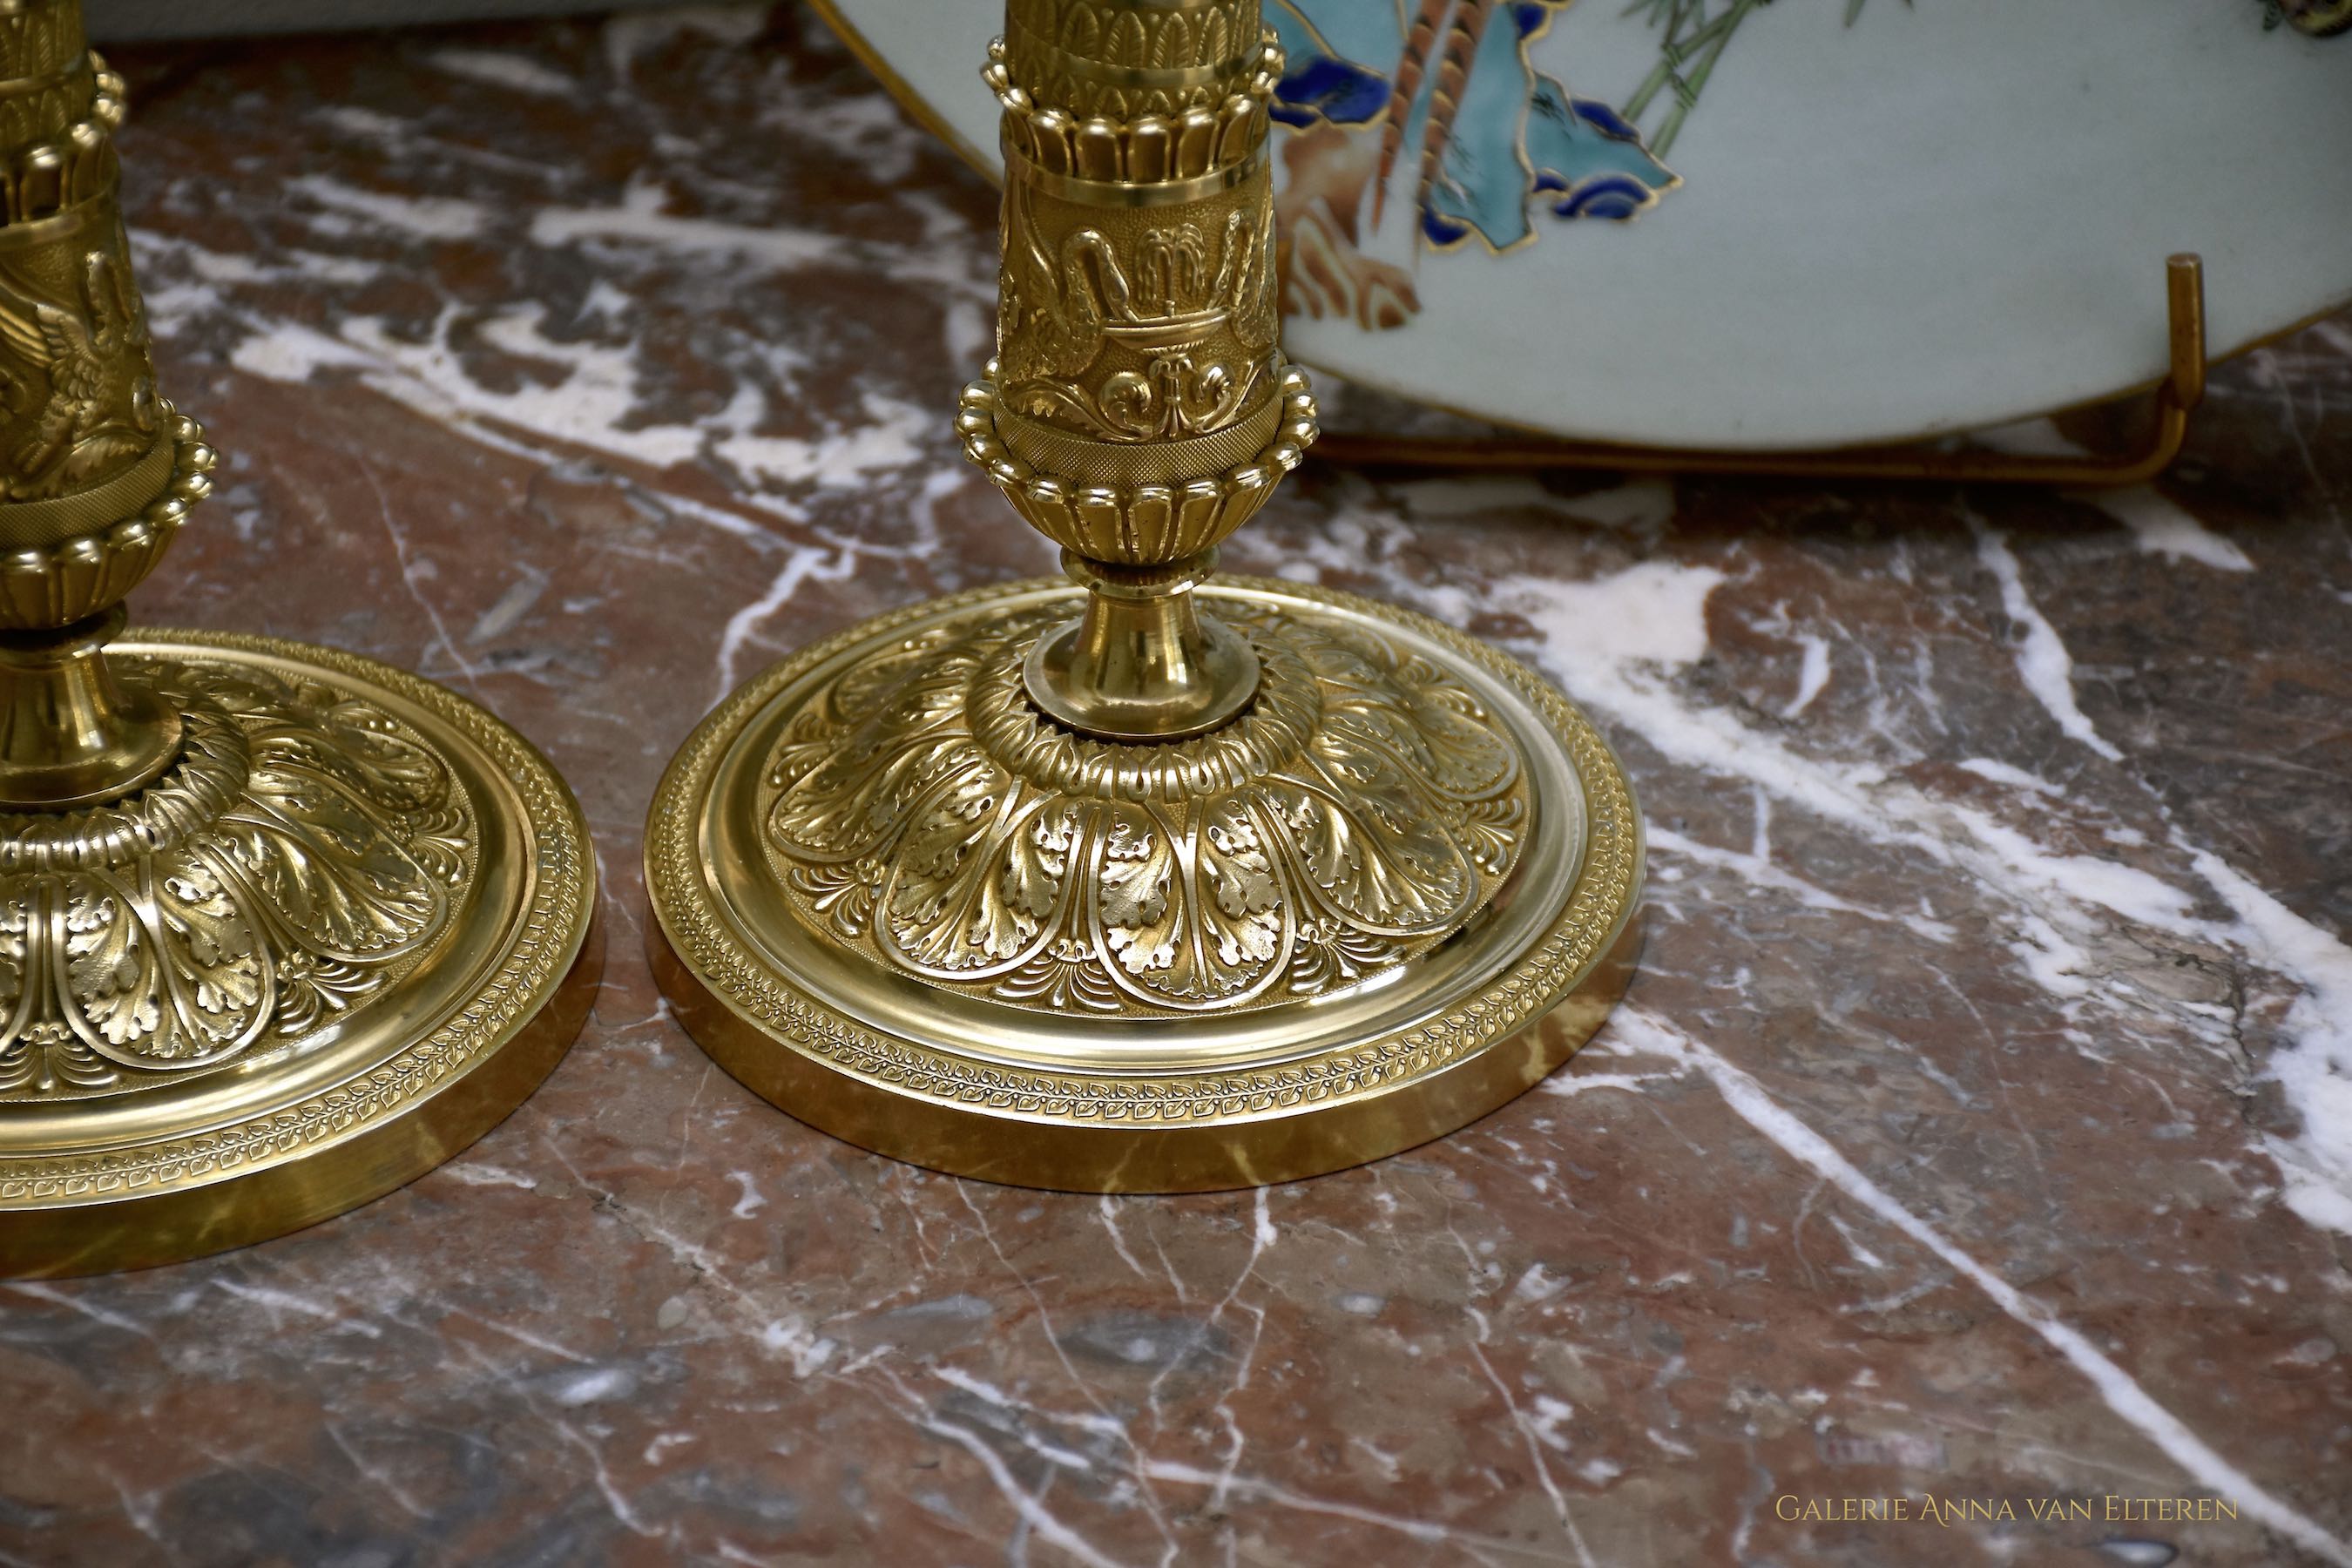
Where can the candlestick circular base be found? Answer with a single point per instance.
(897, 901)
(340, 936)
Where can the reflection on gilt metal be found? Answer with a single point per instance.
(1163, 881)
(271, 917)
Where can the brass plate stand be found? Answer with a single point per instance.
(2177, 396)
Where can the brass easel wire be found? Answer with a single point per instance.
(2181, 389)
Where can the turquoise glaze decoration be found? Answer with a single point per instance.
(1451, 89)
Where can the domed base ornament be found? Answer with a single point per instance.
(344, 932)
(895, 899)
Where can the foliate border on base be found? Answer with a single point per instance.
(1577, 938)
(555, 923)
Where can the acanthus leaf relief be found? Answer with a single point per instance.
(305, 850)
(937, 822)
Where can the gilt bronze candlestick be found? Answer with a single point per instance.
(1152, 880)
(280, 927)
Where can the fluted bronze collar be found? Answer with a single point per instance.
(1122, 61)
(45, 75)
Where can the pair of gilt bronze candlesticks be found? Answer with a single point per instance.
(1145, 881)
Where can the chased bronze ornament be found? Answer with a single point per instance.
(304, 852)
(280, 927)
(928, 816)
(1150, 880)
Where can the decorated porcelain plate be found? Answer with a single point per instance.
(1765, 225)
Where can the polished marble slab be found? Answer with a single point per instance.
(1980, 1127)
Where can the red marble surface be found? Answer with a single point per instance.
(1966, 1135)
